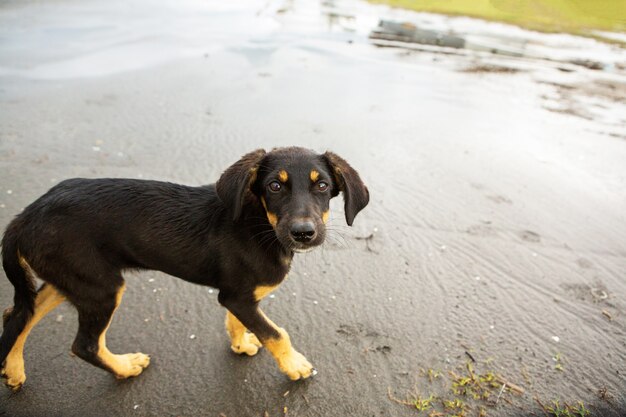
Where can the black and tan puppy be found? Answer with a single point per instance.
(238, 235)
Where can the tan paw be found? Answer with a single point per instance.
(13, 380)
(249, 344)
(131, 364)
(296, 366)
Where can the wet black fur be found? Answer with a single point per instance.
(83, 233)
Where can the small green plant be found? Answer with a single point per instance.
(565, 410)
(580, 410)
(557, 410)
(478, 387)
(423, 404)
(415, 400)
(454, 405)
(430, 373)
(558, 365)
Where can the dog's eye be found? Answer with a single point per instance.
(322, 186)
(274, 186)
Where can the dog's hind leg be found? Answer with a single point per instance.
(47, 299)
(241, 341)
(90, 343)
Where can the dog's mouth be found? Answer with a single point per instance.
(304, 247)
(303, 250)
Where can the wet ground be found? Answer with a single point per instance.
(496, 231)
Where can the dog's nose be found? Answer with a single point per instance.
(303, 231)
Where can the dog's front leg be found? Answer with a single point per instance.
(275, 339)
(241, 341)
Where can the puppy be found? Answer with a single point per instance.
(238, 235)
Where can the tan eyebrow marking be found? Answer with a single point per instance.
(283, 176)
(314, 175)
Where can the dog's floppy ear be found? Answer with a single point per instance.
(355, 193)
(235, 183)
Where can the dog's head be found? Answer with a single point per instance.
(294, 187)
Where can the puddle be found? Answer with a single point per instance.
(99, 39)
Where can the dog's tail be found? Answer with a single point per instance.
(15, 319)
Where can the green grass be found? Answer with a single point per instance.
(564, 410)
(570, 16)
(466, 394)
(558, 362)
(423, 404)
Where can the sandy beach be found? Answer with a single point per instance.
(495, 234)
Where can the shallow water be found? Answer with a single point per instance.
(497, 201)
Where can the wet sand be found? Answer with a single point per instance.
(496, 228)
